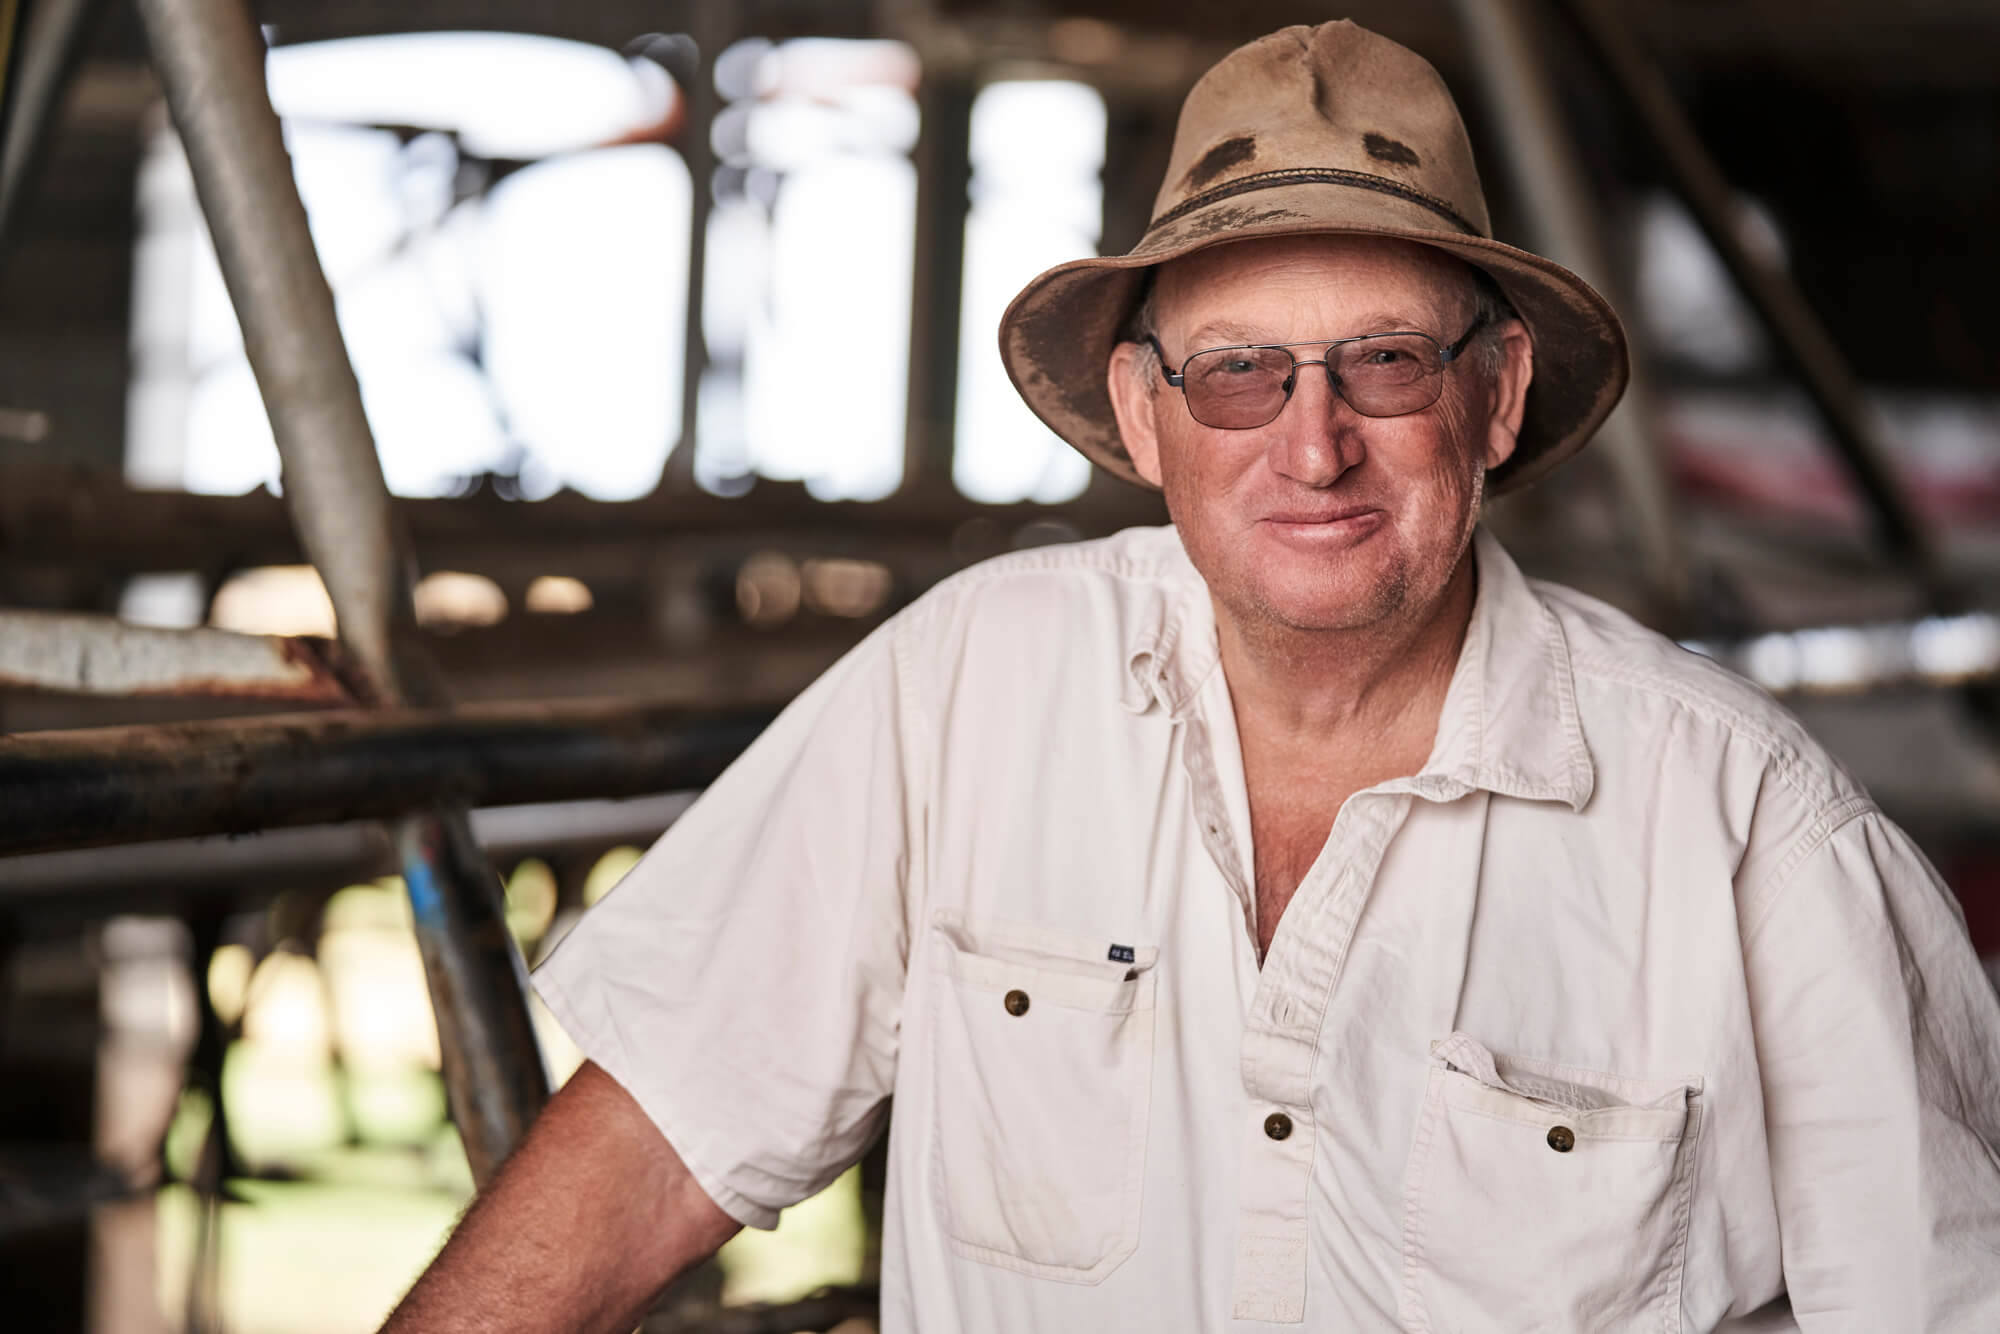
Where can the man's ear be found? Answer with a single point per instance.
(1510, 392)
(1133, 401)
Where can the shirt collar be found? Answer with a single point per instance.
(1171, 648)
(1509, 722)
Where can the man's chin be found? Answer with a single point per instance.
(1321, 610)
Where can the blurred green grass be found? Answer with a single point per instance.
(359, 1177)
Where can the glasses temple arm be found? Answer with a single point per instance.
(1451, 353)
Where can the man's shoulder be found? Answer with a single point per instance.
(1138, 574)
(1142, 556)
(1052, 620)
(1665, 701)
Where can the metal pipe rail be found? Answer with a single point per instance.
(210, 60)
(211, 63)
(174, 875)
(111, 785)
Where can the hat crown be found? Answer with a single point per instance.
(1316, 131)
(1334, 99)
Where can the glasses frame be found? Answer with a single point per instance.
(1447, 354)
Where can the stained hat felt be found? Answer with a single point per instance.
(1317, 130)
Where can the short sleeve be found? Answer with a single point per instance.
(744, 981)
(1878, 1037)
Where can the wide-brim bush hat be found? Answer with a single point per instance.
(1327, 130)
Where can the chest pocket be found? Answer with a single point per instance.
(1541, 1197)
(1043, 1062)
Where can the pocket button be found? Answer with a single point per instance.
(1278, 1126)
(1562, 1139)
(1017, 1002)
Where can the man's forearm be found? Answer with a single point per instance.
(589, 1219)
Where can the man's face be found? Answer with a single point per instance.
(1323, 519)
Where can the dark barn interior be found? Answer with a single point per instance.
(673, 325)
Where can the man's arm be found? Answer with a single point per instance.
(588, 1220)
(1878, 1037)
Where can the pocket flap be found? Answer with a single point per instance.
(1596, 1104)
(1545, 1196)
(1042, 1050)
(1086, 973)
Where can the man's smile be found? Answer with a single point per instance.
(1321, 528)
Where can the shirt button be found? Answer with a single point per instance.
(1278, 1126)
(1017, 1002)
(1562, 1139)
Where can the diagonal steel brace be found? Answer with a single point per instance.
(210, 59)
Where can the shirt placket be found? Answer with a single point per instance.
(1280, 1048)
(1212, 819)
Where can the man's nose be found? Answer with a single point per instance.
(1320, 435)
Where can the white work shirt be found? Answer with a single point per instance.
(1628, 1012)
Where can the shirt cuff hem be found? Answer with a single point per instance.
(608, 1054)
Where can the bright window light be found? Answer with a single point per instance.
(169, 601)
(1037, 200)
(827, 380)
(1955, 647)
(454, 599)
(1687, 297)
(533, 331)
(583, 277)
(274, 600)
(504, 95)
(558, 595)
(807, 297)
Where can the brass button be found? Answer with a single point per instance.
(1017, 1002)
(1278, 1126)
(1562, 1139)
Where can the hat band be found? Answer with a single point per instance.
(1265, 180)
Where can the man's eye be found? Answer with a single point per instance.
(1385, 356)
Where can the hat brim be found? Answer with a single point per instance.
(1057, 336)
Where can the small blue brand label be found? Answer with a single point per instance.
(1122, 954)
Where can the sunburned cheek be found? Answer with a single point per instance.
(1460, 480)
(1458, 470)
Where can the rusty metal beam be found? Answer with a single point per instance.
(83, 654)
(1539, 154)
(1800, 337)
(210, 59)
(50, 514)
(101, 786)
(236, 870)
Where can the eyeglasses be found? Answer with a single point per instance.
(1378, 375)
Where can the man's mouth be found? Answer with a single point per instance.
(1323, 528)
(1340, 514)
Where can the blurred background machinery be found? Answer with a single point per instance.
(624, 363)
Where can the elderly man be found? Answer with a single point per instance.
(1293, 917)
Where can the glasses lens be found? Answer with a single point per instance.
(1235, 388)
(1387, 375)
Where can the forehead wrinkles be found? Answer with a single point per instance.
(1357, 277)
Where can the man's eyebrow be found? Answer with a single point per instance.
(1228, 333)
(1223, 333)
(1384, 322)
